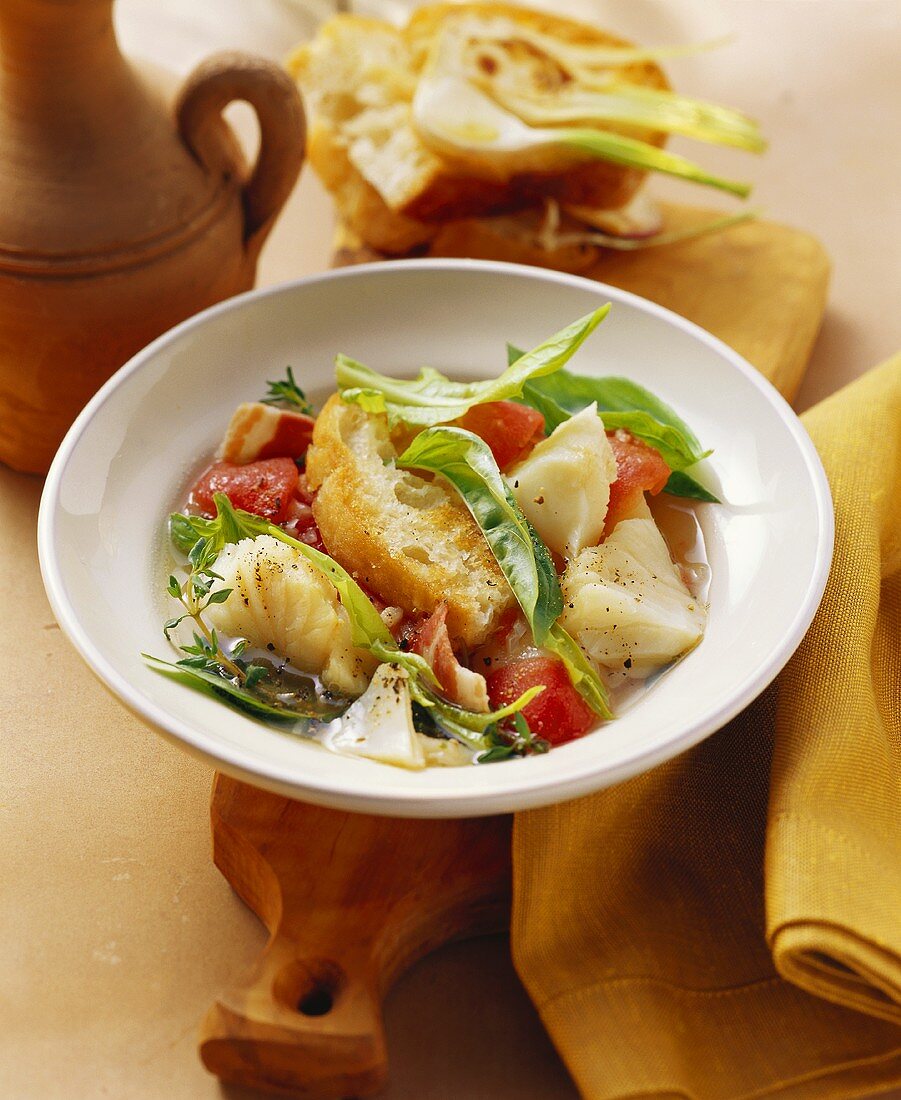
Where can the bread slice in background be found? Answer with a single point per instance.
(409, 540)
(358, 78)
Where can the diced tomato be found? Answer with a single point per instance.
(300, 524)
(509, 429)
(300, 521)
(559, 713)
(264, 488)
(639, 469)
(303, 492)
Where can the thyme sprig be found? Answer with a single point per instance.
(195, 595)
(287, 392)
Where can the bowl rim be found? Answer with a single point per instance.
(540, 789)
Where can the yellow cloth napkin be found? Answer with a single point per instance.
(729, 924)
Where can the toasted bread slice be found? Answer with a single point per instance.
(411, 541)
(359, 77)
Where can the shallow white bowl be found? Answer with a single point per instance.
(128, 459)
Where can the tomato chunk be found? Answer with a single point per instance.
(559, 713)
(509, 429)
(264, 488)
(639, 469)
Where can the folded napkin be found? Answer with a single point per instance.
(729, 924)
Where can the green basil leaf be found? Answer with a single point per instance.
(513, 353)
(674, 447)
(184, 531)
(468, 464)
(682, 484)
(230, 525)
(431, 398)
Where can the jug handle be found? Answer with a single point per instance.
(220, 80)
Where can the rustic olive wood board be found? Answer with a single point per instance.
(349, 900)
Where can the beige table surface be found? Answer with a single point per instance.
(116, 929)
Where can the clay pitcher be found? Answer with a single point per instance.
(118, 218)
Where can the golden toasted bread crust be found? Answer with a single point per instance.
(410, 541)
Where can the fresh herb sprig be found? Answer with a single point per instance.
(207, 666)
(491, 736)
(505, 742)
(286, 392)
(195, 595)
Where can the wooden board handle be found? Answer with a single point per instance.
(300, 1026)
(222, 79)
(350, 902)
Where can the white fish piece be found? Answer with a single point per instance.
(563, 486)
(281, 600)
(626, 604)
(444, 753)
(379, 725)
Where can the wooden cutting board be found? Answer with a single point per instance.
(350, 900)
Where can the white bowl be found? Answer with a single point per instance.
(129, 457)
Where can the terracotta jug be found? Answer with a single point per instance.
(118, 218)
